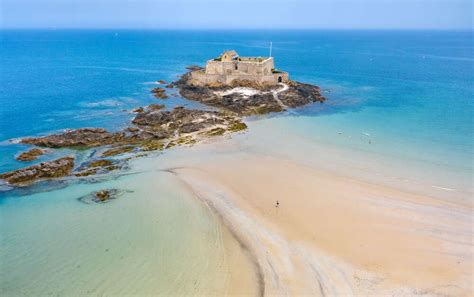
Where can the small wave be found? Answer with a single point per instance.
(104, 103)
(111, 102)
(121, 69)
(445, 189)
(150, 83)
(11, 141)
(448, 58)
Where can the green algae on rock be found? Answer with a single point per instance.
(102, 196)
(117, 151)
(30, 155)
(45, 170)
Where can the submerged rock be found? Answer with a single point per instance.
(85, 137)
(50, 169)
(102, 196)
(30, 155)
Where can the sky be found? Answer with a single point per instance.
(238, 14)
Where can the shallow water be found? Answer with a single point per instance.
(154, 239)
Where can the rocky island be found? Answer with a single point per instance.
(234, 86)
(245, 85)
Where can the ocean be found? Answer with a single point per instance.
(399, 112)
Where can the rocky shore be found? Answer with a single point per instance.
(151, 129)
(247, 97)
(51, 169)
(155, 128)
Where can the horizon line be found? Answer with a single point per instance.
(471, 29)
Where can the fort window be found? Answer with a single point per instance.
(279, 79)
(236, 66)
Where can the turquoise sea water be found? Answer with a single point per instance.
(403, 98)
(415, 88)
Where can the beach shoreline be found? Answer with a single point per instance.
(330, 234)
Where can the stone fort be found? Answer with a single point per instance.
(231, 67)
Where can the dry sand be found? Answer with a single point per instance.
(333, 235)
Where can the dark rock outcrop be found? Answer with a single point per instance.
(159, 93)
(85, 137)
(51, 169)
(181, 120)
(300, 94)
(138, 110)
(194, 67)
(155, 106)
(30, 155)
(266, 99)
(102, 196)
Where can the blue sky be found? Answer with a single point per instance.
(225, 14)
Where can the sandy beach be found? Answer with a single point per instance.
(331, 234)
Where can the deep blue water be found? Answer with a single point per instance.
(415, 86)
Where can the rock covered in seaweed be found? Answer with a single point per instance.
(84, 137)
(117, 151)
(181, 120)
(96, 167)
(102, 196)
(30, 155)
(51, 169)
(153, 129)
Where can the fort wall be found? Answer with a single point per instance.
(226, 69)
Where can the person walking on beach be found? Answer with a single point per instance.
(277, 205)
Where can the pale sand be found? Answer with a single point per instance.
(333, 235)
